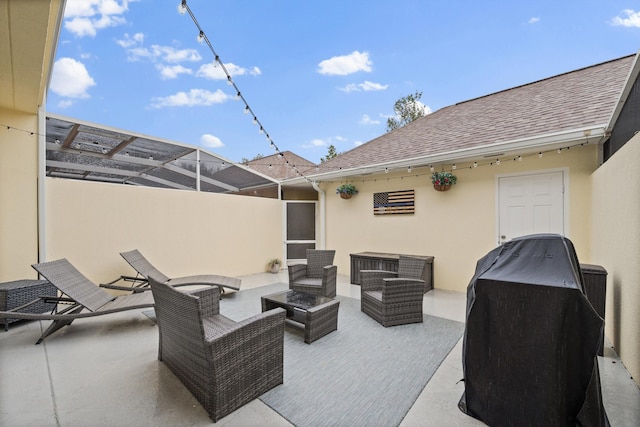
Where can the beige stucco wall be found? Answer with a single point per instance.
(180, 232)
(457, 227)
(616, 246)
(18, 195)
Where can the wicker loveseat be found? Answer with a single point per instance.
(318, 276)
(224, 364)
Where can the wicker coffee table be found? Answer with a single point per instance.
(318, 314)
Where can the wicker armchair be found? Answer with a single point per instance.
(317, 276)
(224, 364)
(394, 298)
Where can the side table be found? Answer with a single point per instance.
(20, 292)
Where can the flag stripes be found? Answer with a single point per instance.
(394, 202)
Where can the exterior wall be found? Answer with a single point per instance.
(180, 232)
(18, 196)
(616, 227)
(457, 227)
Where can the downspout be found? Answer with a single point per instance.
(322, 199)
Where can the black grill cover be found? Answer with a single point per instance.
(531, 338)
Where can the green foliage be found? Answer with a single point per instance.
(347, 189)
(443, 178)
(330, 154)
(407, 109)
(256, 157)
(274, 261)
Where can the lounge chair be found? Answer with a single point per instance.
(82, 297)
(224, 364)
(145, 269)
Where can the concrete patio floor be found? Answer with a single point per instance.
(103, 371)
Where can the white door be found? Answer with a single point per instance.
(530, 204)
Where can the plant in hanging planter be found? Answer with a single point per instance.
(346, 191)
(442, 181)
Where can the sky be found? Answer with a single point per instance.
(314, 73)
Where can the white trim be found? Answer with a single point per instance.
(546, 142)
(565, 195)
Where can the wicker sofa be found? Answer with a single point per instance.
(318, 276)
(224, 364)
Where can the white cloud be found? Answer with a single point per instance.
(87, 17)
(130, 41)
(208, 140)
(65, 103)
(357, 143)
(70, 79)
(366, 86)
(345, 64)
(193, 98)
(366, 120)
(319, 143)
(534, 20)
(629, 18)
(172, 71)
(164, 53)
(214, 71)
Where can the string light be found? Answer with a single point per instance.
(182, 9)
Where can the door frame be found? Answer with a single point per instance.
(285, 242)
(565, 195)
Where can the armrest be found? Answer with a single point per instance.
(137, 285)
(371, 280)
(209, 299)
(329, 278)
(401, 289)
(255, 338)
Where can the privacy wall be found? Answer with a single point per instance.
(616, 246)
(180, 232)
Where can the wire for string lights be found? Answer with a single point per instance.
(183, 8)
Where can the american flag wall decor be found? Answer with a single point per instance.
(394, 202)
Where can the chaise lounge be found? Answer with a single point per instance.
(145, 269)
(82, 297)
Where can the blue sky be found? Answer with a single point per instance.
(314, 73)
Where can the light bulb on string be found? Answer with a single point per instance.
(432, 168)
(246, 110)
(261, 131)
(409, 169)
(498, 162)
(182, 7)
(453, 167)
(475, 164)
(540, 155)
(254, 121)
(200, 37)
(229, 81)
(519, 158)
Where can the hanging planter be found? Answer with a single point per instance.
(442, 187)
(442, 181)
(346, 191)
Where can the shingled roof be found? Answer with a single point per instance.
(578, 101)
(282, 166)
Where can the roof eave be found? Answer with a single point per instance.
(538, 143)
